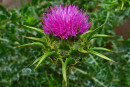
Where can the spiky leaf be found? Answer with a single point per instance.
(100, 35)
(33, 44)
(36, 29)
(38, 59)
(100, 48)
(37, 39)
(46, 54)
(86, 33)
(99, 55)
(94, 31)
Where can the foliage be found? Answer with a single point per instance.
(15, 63)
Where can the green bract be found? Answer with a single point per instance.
(69, 51)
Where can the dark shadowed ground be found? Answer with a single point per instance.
(13, 3)
(123, 29)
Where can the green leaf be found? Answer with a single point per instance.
(98, 28)
(37, 39)
(46, 54)
(64, 67)
(99, 55)
(38, 59)
(89, 34)
(36, 29)
(33, 44)
(94, 31)
(100, 48)
(69, 61)
(100, 35)
(86, 33)
(82, 51)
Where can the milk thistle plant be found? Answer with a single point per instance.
(66, 37)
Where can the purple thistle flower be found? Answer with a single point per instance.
(65, 21)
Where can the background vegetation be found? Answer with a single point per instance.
(15, 69)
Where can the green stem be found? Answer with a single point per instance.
(122, 5)
(102, 30)
(108, 13)
(64, 82)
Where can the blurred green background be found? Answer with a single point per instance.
(15, 69)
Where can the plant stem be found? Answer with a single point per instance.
(64, 82)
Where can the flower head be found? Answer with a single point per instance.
(65, 21)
